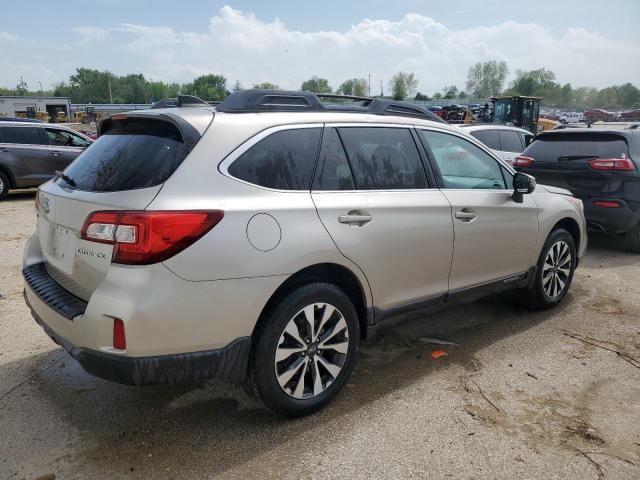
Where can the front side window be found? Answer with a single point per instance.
(510, 141)
(20, 135)
(462, 164)
(62, 138)
(284, 160)
(383, 158)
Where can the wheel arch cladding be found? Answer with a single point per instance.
(332, 273)
(571, 226)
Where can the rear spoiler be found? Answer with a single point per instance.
(190, 135)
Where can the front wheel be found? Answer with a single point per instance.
(554, 272)
(305, 350)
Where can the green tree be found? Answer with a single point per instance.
(421, 97)
(450, 92)
(207, 87)
(157, 91)
(534, 82)
(131, 88)
(354, 86)
(462, 94)
(628, 96)
(437, 96)
(485, 80)
(316, 85)
(266, 86)
(403, 85)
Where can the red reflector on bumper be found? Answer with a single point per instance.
(119, 339)
(600, 203)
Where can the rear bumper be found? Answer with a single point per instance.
(610, 220)
(227, 363)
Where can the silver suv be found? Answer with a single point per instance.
(32, 152)
(262, 240)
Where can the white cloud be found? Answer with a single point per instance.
(241, 46)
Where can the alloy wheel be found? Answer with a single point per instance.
(556, 269)
(311, 351)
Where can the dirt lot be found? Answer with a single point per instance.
(524, 395)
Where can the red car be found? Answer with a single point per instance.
(631, 116)
(597, 115)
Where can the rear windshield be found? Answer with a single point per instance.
(134, 153)
(568, 146)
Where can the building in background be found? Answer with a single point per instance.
(48, 109)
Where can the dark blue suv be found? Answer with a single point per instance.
(601, 167)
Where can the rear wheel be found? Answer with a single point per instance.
(305, 350)
(632, 239)
(4, 185)
(554, 272)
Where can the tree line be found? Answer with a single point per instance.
(484, 80)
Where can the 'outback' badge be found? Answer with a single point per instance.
(90, 253)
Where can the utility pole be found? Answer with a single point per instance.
(40, 83)
(109, 83)
(369, 84)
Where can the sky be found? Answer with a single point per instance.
(586, 43)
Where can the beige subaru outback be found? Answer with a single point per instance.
(260, 241)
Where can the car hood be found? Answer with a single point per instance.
(559, 191)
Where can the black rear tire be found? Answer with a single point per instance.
(632, 239)
(535, 296)
(4, 185)
(262, 367)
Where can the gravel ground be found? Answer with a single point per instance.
(518, 398)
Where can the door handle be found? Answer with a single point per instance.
(355, 218)
(465, 216)
(56, 153)
(4, 150)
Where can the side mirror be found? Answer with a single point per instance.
(522, 184)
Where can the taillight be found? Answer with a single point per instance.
(522, 161)
(145, 237)
(119, 338)
(613, 164)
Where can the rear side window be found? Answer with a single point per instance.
(577, 146)
(383, 158)
(488, 137)
(284, 160)
(134, 153)
(334, 172)
(21, 135)
(510, 141)
(62, 138)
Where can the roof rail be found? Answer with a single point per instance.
(258, 100)
(181, 101)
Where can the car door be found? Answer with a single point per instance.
(372, 195)
(510, 145)
(25, 153)
(64, 147)
(494, 235)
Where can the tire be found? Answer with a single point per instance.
(278, 383)
(542, 293)
(4, 186)
(632, 239)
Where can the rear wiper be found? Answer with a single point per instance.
(576, 157)
(66, 178)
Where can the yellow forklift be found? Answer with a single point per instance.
(520, 111)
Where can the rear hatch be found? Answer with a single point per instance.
(123, 170)
(577, 161)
